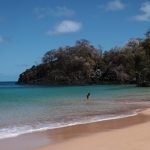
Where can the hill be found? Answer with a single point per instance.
(85, 64)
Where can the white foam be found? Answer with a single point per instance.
(16, 131)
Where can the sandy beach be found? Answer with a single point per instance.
(130, 133)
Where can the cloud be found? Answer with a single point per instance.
(114, 5)
(66, 26)
(59, 11)
(145, 12)
(3, 39)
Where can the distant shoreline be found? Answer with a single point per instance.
(85, 84)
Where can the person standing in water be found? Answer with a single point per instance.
(88, 96)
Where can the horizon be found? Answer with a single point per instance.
(31, 28)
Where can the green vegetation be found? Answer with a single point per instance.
(84, 64)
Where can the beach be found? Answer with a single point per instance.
(75, 75)
(45, 117)
(130, 133)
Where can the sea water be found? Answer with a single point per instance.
(26, 108)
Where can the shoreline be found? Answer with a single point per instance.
(93, 119)
(55, 137)
(83, 135)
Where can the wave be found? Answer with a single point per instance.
(20, 130)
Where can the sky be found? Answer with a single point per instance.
(30, 28)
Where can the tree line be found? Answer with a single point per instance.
(83, 63)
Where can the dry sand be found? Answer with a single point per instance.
(132, 133)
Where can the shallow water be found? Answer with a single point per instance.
(25, 109)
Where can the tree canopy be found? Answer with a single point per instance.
(83, 63)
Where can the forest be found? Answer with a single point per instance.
(83, 64)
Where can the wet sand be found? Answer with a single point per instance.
(132, 133)
(105, 135)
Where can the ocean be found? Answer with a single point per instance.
(27, 108)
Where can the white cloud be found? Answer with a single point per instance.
(145, 12)
(115, 5)
(59, 11)
(63, 11)
(66, 26)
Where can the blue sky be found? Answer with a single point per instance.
(29, 28)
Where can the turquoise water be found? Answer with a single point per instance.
(25, 109)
